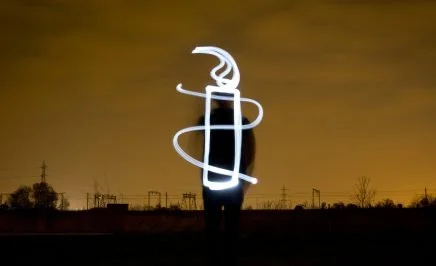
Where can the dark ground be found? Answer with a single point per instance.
(399, 248)
(311, 237)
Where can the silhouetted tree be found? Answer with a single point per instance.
(385, 203)
(363, 195)
(423, 201)
(338, 205)
(21, 198)
(268, 205)
(44, 195)
(351, 206)
(64, 204)
(323, 205)
(299, 207)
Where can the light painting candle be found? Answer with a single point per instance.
(228, 86)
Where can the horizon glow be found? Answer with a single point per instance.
(228, 86)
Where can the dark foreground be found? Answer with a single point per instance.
(188, 249)
(318, 237)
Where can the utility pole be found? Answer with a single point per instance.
(43, 173)
(154, 193)
(166, 199)
(192, 201)
(283, 198)
(101, 200)
(62, 200)
(316, 194)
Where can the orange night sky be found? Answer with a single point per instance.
(348, 89)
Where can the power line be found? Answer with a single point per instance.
(316, 194)
(283, 198)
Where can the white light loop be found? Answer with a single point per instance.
(228, 86)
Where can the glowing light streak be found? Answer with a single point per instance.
(228, 86)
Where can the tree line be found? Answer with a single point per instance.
(363, 196)
(40, 195)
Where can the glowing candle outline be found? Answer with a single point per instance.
(228, 86)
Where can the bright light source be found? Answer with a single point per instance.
(228, 86)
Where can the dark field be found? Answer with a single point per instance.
(323, 237)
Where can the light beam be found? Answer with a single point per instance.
(228, 86)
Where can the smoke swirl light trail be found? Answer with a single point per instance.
(228, 86)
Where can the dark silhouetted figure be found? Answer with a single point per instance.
(221, 154)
